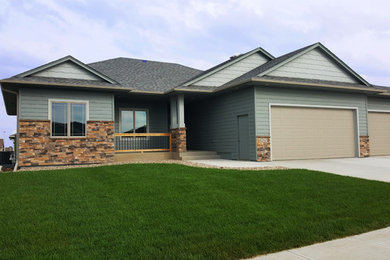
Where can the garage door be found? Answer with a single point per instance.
(379, 132)
(309, 133)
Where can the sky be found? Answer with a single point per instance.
(198, 34)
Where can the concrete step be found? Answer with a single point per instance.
(196, 153)
(199, 155)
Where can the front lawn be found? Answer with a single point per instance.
(174, 211)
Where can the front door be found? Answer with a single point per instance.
(243, 138)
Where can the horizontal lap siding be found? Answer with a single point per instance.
(34, 102)
(67, 70)
(212, 123)
(233, 71)
(267, 95)
(158, 121)
(375, 103)
(313, 65)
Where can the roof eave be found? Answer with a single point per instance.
(292, 83)
(42, 83)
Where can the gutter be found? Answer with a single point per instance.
(64, 84)
(17, 128)
(300, 84)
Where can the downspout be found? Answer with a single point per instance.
(17, 128)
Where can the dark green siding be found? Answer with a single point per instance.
(158, 121)
(212, 123)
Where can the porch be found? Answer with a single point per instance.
(149, 127)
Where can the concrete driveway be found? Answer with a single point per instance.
(371, 245)
(372, 168)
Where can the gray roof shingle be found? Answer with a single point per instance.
(145, 75)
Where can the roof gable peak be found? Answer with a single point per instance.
(287, 58)
(72, 64)
(233, 60)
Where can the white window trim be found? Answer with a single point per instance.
(133, 109)
(68, 101)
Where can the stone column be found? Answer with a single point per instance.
(364, 146)
(263, 148)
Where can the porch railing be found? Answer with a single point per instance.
(142, 142)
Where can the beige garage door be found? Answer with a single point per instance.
(309, 133)
(379, 132)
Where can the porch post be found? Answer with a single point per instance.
(173, 112)
(177, 125)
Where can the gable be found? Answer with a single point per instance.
(67, 69)
(314, 64)
(233, 71)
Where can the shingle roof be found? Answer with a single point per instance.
(145, 75)
(65, 81)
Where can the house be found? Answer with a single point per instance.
(1, 144)
(304, 104)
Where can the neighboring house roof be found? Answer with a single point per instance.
(221, 66)
(145, 75)
(268, 67)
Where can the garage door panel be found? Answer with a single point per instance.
(308, 133)
(379, 133)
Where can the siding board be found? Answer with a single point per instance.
(67, 70)
(158, 120)
(212, 123)
(34, 102)
(377, 103)
(314, 65)
(233, 71)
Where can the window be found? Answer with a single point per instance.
(68, 118)
(133, 121)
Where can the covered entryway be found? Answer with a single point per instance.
(379, 133)
(310, 133)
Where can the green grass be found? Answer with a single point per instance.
(172, 211)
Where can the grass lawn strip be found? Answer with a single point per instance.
(170, 211)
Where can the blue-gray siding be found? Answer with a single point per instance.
(158, 120)
(266, 95)
(375, 103)
(67, 70)
(212, 124)
(233, 71)
(314, 65)
(34, 102)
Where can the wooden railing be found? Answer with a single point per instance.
(142, 142)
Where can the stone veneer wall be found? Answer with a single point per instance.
(179, 140)
(364, 146)
(263, 148)
(37, 148)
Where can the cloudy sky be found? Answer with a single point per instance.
(199, 34)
